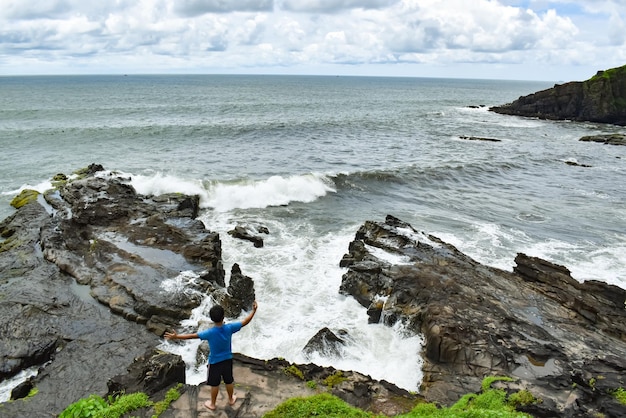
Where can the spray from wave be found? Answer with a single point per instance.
(241, 194)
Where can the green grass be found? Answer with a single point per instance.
(115, 407)
(321, 405)
(620, 395)
(611, 73)
(490, 403)
(295, 371)
(171, 395)
(334, 379)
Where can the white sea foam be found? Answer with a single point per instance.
(274, 191)
(40, 187)
(387, 256)
(497, 246)
(297, 278)
(159, 183)
(244, 194)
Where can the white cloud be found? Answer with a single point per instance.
(192, 8)
(333, 6)
(396, 37)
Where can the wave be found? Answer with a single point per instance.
(447, 174)
(224, 196)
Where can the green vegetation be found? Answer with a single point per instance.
(294, 371)
(490, 403)
(93, 406)
(32, 393)
(59, 180)
(171, 395)
(334, 379)
(620, 395)
(26, 196)
(523, 397)
(488, 381)
(611, 73)
(311, 384)
(117, 406)
(321, 405)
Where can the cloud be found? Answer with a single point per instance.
(617, 30)
(193, 8)
(333, 6)
(304, 35)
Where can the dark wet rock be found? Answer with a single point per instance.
(610, 139)
(325, 343)
(577, 164)
(239, 295)
(599, 99)
(536, 324)
(250, 233)
(22, 390)
(480, 138)
(91, 276)
(150, 373)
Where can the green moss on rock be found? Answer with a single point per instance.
(25, 197)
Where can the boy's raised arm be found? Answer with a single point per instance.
(174, 336)
(247, 319)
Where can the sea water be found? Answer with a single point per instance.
(312, 158)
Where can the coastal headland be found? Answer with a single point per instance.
(601, 99)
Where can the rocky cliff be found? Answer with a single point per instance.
(602, 99)
(82, 297)
(565, 341)
(90, 278)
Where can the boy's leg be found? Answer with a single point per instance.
(214, 391)
(230, 389)
(213, 380)
(229, 381)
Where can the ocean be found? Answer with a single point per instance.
(311, 158)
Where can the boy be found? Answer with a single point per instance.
(220, 355)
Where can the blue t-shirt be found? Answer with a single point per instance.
(219, 339)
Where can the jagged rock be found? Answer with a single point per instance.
(479, 138)
(599, 99)
(249, 233)
(22, 390)
(150, 373)
(610, 139)
(83, 283)
(577, 164)
(240, 293)
(537, 324)
(326, 343)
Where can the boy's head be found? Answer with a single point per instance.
(217, 314)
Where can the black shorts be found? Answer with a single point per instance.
(218, 371)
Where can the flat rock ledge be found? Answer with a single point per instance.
(563, 340)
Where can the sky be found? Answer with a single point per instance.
(547, 40)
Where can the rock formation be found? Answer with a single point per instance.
(92, 273)
(563, 340)
(609, 139)
(602, 99)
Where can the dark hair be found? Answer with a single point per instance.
(217, 313)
